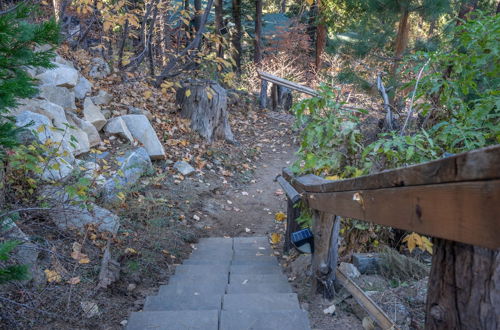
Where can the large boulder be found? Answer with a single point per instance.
(141, 129)
(82, 88)
(134, 164)
(92, 133)
(117, 127)
(50, 110)
(77, 216)
(92, 113)
(38, 128)
(102, 98)
(100, 69)
(62, 75)
(57, 169)
(138, 111)
(58, 95)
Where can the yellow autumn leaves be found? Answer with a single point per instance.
(414, 240)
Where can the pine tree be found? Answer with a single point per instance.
(18, 37)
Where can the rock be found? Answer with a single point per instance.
(62, 75)
(50, 110)
(102, 98)
(58, 95)
(301, 266)
(136, 111)
(184, 168)
(77, 216)
(57, 169)
(92, 113)
(330, 310)
(366, 263)
(141, 129)
(106, 113)
(100, 69)
(349, 270)
(135, 164)
(82, 88)
(40, 131)
(92, 133)
(90, 309)
(25, 253)
(117, 127)
(131, 287)
(63, 61)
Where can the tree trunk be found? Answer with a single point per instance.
(320, 38)
(206, 105)
(292, 213)
(59, 6)
(263, 94)
(464, 287)
(197, 14)
(219, 24)
(236, 4)
(165, 35)
(283, 6)
(401, 41)
(258, 32)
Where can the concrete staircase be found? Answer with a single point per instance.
(226, 284)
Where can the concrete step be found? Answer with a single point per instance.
(247, 260)
(256, 320)
(201, 269)
(252, 240)
(204, 261)
(192, 288)
(260, 301)
(207, 255)
(269, 287)
(257, 278)
(174, 320)
(255, 269)
(218, 240)
(183, 302)
(207, 278)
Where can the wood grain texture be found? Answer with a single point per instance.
(322, 230)
(481, 164)
(287, 83)
(292, 213)
(466, 212)
(464, 287)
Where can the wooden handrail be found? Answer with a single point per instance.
(286, 83)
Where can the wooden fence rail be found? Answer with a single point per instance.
(456, 200)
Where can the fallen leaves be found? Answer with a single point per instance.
(52, 276)
(78, 255)
(74, 280)
(275, 238)
(414, 240)
(280, 216)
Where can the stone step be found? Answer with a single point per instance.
(207, 255)
(204, 261)
(192, 288)
(174, 320)
(260, 301)
(257, 278)
(201, 269)
(218, 240)
(252, 240)
(183, 302)
(255, 269)
(252, 287)
(253, 320)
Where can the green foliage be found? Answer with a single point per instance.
(11, 272)
(17, 38)
(330, 135)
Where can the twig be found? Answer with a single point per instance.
(385, 97)
(2, 215)
(410, 111)
(10, 10)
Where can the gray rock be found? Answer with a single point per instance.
(82, 88)
(50, 110)
(100, 69)
(106, 113)
(26, 253)
(102, 98)
(184, 168)
(63, 61)
(92, 113)
(57, 169)
(135, 164)
(58, 95)
(136, 111)
(117, 127)
(77, 216)
(40, 131)
(61, 75)
(141, 129)
(349, 269)
(92, 133)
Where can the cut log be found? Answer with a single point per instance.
(464, 287)
(205, 103)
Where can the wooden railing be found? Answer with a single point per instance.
(456, 200)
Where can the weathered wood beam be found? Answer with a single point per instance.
(481, 164)
(290, 191)
(287, 83)
(467, 212)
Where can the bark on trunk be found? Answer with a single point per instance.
(323, 229)
(197, 14)
(218, 25)
(206, 105)
(236, 8)
(258, 32)
(464, 287)
(292, 214)
(401, 41)
(320, 39)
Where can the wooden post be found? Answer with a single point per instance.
(274, 97)
(322, 228)
(464, 287)
(263, 94)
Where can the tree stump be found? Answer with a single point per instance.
(464, 287)
(205, 103)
